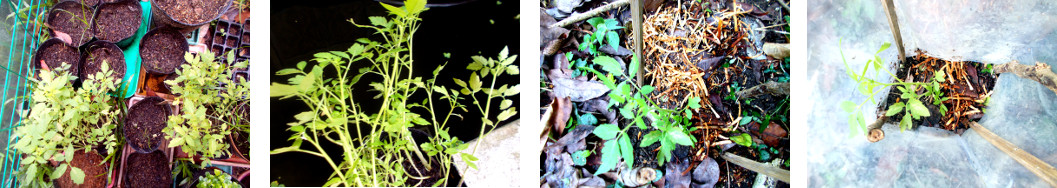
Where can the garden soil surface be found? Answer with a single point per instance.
(73, 19)
(163, 50)
(91, 163)
(146, 119)
(191, 11)
(117, 21)
(108, 53)
(147, 170)
(54, 53)
(968, 85)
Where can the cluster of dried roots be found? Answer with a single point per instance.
(677, 39)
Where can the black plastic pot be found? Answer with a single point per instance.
(77, 25)
(144, 124)
(161, 16)
(165, 56)
(99, 51)
(124, 18)
(54, 53)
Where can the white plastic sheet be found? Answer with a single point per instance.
(1021, 111)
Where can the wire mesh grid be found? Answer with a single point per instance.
(20, 31)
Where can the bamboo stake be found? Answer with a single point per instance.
(764, 169)
(636, 22)
(1045, 171)
(590, 13)
(893, 20)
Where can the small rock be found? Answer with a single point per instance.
(706, 173)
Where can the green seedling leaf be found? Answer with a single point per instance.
(895, 109)
(606, 131)
(695, 103)
(610, 156)
(475, 82)
(742, 139)
(650, 138)
(580, 157)
(378, 21)
(848, 106)
(917, 108)
(679, 137)
(608, 64)
(884, 47)
(626, 150)
(587, 119)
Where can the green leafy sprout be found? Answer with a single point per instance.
(372, 155)
(605, 33)
(209, 102)
(913, 107)
(217, 179)
(64, 120)
(635, 106)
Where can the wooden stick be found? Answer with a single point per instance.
(590, 13)
(636, 22)
(1040, 168)
(894, 22)
(770, 87)
(763, 169)
(1040, 73)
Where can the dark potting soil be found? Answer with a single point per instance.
(73, 19)
(147, 170)
(163, 50)
(91, 163)
(324, 26)
(117, 21)
(966, 86)
(103, 52)
(55, 53)
(192, 11)
(144, 124)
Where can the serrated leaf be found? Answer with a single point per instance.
(626, 150)
(399, 12)
(606, 131)
(647, 89)
(77, 175)
(503, 54)
(895, 109)
(475, 82)
(459, 82)
(917, 108)
(679, 137)
(650, 138)
(884, 47)
(695, 103)
(378, 20)
(608, 64)
(610, 157)
(59, 171)
(848, 106)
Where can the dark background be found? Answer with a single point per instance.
(303, 27)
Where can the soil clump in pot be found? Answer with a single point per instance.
(146, 119)
(117, 21)
(147, 170)
(163, 50)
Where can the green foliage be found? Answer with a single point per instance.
(635, 106)
(743, 139)
(913, 106)
(335, 116)
(605, 33)
(580, 157)
(217, 179)
(209, 102)
(64, 120)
